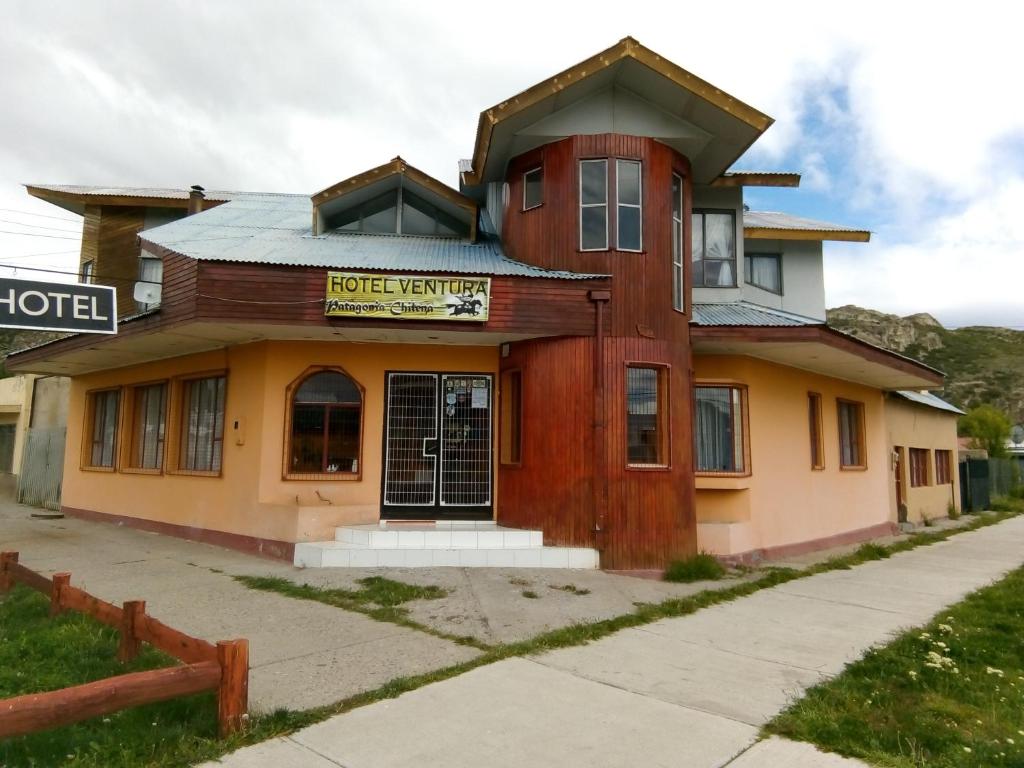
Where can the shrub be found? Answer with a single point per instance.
(952, 511)
(701, 567)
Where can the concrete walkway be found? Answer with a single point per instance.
(691, 691)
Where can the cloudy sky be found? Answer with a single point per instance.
(906, 121)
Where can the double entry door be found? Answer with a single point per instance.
(437, 446)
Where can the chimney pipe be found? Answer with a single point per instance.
(195, 199)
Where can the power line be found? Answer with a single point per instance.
(37, 226)
(40, 215)
(38, 255)
(33, 234)
(78, 274)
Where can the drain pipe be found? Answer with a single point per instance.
(600, 424)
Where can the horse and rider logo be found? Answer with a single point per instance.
(466, 305)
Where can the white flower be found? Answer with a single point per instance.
(967, 749)
(945, 628)
(924, 636)
(1009, 741)
(993, 671)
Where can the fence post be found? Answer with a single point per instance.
(60, 580)
(6, 580)
(233, 693)
(131, 617)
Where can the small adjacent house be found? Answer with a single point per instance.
(591, 342)
(924, 451)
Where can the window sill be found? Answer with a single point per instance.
(853, 468)
(648, 468)
(722, 482)
(141, 471)
(324, 476)
(90, 468)
(194, 473)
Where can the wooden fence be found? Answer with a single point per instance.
(223, 667)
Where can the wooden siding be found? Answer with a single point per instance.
(110, 241)
(294, 295)
(564, 485)
(648, 513)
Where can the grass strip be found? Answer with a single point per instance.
(379, 598)
(949, 695)
(39, 653)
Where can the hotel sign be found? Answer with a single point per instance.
(407, 297)
(57, 306)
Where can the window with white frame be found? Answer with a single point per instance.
(594, 205)
(151, 275)
(763, 270)
(629, 213)
(533, 188)
(678, 297)
(714, 249)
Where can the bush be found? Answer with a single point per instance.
(952, 512)
(1006, 504)
(701, 567)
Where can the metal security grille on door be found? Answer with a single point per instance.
(437, 446)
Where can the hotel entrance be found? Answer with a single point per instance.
(438, 458)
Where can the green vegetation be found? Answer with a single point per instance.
(39, 653)
(184, 733)
(982, 365)
(701, 567)
(572, 589)
(530, 594)
(950, 695)
(988, 427)
(379, 598)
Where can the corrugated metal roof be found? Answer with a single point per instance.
(747, 314)
(276, 230)
(927, 398)
(776, 220)
(168, 193)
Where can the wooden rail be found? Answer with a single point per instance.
(223, 667)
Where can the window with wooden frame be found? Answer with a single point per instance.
(764, 271)
(918, 467)
(101, 429)
(814, 424)
(714, 248)
(87, 271)
(325, 426)
(511, 448)
(201, 434)
(678, 294)
(148, 426)
(533, 188)
(943, 467)
(851, 435)
(646, 416)
(720, 440)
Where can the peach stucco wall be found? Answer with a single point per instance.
(917, 426)
(251, 497)
(783, 501)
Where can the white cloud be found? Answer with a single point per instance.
(974, 257)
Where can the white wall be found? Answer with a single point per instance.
(803, 277)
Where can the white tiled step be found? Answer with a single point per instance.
(340, 554)
(430, 537)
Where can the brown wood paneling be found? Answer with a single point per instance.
(111, 237)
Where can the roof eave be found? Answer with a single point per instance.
(780, 233)
(628, 47)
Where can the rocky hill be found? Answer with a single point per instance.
(982, 364)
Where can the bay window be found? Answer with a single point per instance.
(593, 205)
(678, 300)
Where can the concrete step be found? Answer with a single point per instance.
(429, 536)
(342, 554)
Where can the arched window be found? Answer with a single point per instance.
(326, 413)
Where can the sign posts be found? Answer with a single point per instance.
(69, 307)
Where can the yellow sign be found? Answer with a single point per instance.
(407, 297)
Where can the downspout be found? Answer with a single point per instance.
(600, 424)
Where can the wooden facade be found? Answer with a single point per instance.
(574, 479)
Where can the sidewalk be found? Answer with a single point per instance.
(691, 691)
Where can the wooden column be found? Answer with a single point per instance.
(233, 693)
(6, 580)
(131, 618)
(60, 580)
